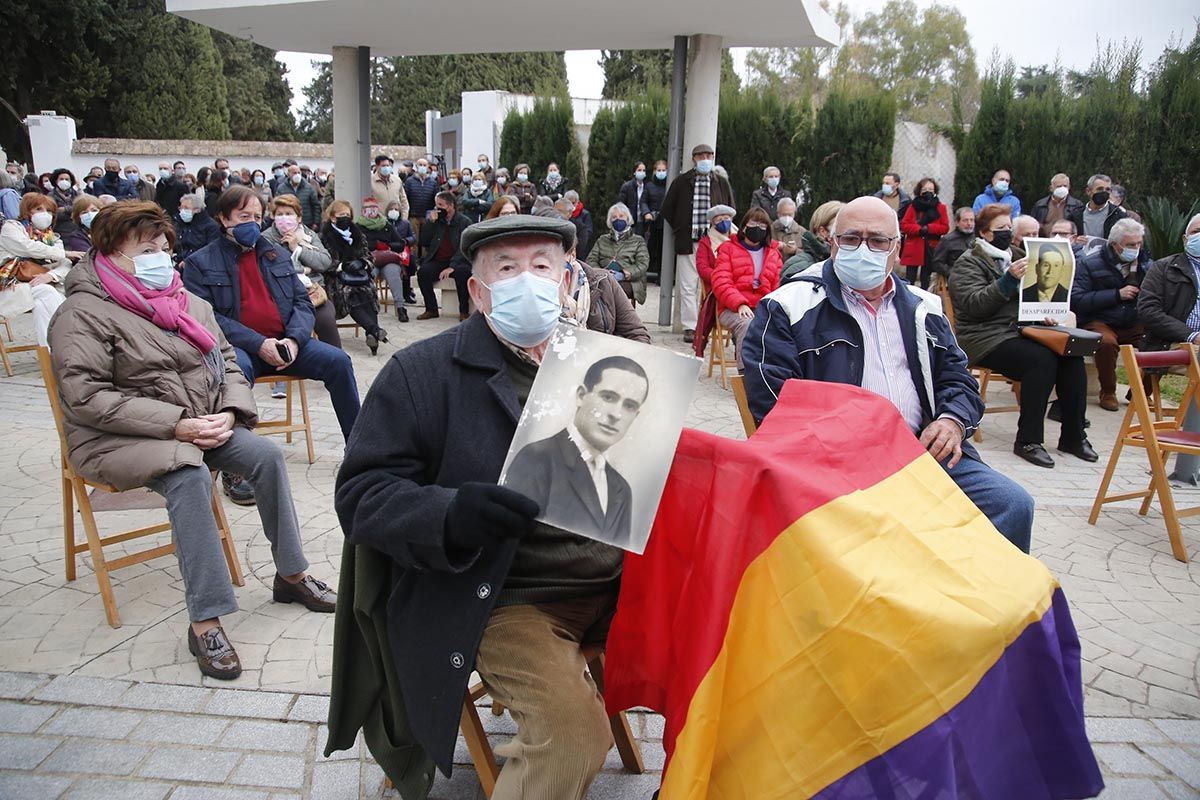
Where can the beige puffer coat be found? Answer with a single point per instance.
(125, 383)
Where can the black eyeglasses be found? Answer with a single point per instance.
(878, 244)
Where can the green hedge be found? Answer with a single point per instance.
(545, 133)
(839, 152)
(1137, 127)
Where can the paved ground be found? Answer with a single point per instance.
(92, 711)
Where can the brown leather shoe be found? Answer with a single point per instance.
(1108, 401)
(463, 317)
(214, 654)
(311, 593)
(428, 315)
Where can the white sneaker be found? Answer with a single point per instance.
(279, 390)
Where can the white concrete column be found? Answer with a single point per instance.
(703, 94)
(352, 122)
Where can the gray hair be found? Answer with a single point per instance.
(787, 200)
(7, 181)
(571, 196)
(1097, 177)
(1192, 222)
(620, 207)
(1124, 228)
(1028, 219)
(768, 169)
(192, 200)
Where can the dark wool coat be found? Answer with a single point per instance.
(440, 414)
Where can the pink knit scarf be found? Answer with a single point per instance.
(166, 308)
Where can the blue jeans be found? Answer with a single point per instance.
(1001, 499)
(320, 362)
(1187, 468)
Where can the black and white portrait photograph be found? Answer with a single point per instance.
(1046, 290)
(598, 434)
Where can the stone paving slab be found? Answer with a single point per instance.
(1137, 611)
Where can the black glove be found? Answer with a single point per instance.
(483, 514)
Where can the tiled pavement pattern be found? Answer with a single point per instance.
(129, 714)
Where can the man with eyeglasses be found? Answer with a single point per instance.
(849, 320)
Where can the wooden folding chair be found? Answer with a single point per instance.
(982, 374)
(288, 425)
(739, 394)
(75, 486)
(481, 750)
(6, 348)
(718, 340)
(384, 292)
(1158, 438)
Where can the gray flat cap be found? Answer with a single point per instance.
(492, 230)
(702, 148)
(716, 211)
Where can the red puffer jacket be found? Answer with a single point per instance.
(733, 276)
(913, 253)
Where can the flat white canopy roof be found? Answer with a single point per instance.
(389, 27)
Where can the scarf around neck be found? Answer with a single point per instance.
(166, 308)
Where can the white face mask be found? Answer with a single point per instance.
(1060, 192)
(41, 220)
(394, 215)
(786, 220)
(64, 184)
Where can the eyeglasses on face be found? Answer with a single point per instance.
(851, 241)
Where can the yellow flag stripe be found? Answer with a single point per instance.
(849, 634)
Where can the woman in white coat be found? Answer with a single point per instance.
(31, 238)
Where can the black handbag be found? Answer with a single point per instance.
(355, 273)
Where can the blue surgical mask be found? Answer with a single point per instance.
(277, 173)
(552, 176)
(87, 218)
(619, 225)
(1193, 245)
(887, 190)
(186, 214)
(246, 233)
(772, 183)
(422, 171)
(724, 226)
(522, 176)
(1001, 188)
(862, 268)
(453, 182)
(385, 170)
(705, 166)
(164, 173)
(640, 174)
(482, 165)
(661, 174)
(154, 270)
(525, 309)
(1129, 255)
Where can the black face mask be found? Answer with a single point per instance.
(342, 222)
(1100, 197)
(755, 235)
(441, 214)
(111, 174)
(928, 197)
(1001, 240)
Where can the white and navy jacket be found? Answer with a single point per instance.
(803, 330)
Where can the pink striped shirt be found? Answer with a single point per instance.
(885, 363)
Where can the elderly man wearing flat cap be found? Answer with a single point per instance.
(473, 582)
(685, 207)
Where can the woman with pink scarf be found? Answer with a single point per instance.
(153, 396)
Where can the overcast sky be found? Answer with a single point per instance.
(1031, 31)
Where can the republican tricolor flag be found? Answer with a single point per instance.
(822, 613)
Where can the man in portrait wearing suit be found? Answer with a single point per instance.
(568, 474)
(1047, 289)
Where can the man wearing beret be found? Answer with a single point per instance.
(474, 582)
(686, 205)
